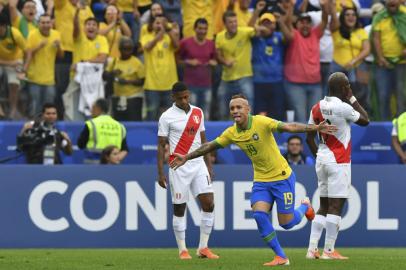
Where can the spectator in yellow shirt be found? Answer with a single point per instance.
(43, 46)
(90, 47)
(12, 47)
(64, 14)
(114, 28)
(194, 9)
(25, 22)
(130, 15)
(234, 53)
(129, 74)
(351, 47)
(160, 65)
(389, 40)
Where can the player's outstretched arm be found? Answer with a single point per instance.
(206, 148)
(323, 127)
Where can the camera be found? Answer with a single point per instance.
(36, 137)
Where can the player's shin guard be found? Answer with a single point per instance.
(297, 217)
(179, 228)
(318, 225)
(206, 226)
(332, 228)
(268, 233)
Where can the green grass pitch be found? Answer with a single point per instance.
(247, 258)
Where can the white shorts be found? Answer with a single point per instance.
(192, 176)
(334, 179)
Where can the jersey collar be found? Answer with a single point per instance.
(248, 126)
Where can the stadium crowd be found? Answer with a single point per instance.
(278, 53)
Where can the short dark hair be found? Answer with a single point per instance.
(102, 104)
(48, 105)
(239, 96)
(295, 137)
(104, 157)
(179, 87)
(92, 19)
(25, 2)
(200, 21)
(228, 14)
(44, 15)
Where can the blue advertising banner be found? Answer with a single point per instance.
(122, 206)
(370, 145)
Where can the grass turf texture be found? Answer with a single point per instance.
(247, 258)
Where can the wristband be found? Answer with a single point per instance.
(352, 100)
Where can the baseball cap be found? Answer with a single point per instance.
(267, 16)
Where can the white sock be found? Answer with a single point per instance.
(318, 225)
(206, 226)
(332, 228)
(179, 228)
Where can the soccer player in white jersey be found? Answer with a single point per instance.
(182, 125)
(333, 162)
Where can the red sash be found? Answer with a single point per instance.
(189, 133)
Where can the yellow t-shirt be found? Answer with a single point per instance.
(31, 26)
(238, 49)
(259, 144)
(194, 9)
(143, 3)
(113, 39)
(219, 7)
(345, 50)
(243, 17)
(86, 49)
(160, 65)
(42, 65)
(391, 44)
(12, 48)
(125, 5)
(64, 14)
(131, 69)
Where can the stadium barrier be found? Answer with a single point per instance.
(123, 206)
(370, 145)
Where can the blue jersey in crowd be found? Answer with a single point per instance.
(267, 58)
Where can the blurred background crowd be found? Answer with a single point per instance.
(279, 53)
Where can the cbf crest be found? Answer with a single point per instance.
(255, 137)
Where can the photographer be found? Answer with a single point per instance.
(41, 141)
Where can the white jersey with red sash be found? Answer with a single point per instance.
(334, 148)
(183, 132)
(182, 129)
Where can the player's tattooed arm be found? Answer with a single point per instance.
(323, 127)
(203, 150)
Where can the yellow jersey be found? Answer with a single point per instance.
(259, 144)
(237, 48)
(143, 3)
(219, 7)
(391, 44)
(86, 49)
(194, 9)
(160, 64)
(131, 69)
(64, 14)
(12, 45)
(42, 65)
(243, 16)
(345, 50)
(125, 5)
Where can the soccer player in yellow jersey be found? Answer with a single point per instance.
(274, 180)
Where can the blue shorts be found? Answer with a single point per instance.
(283, 192)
